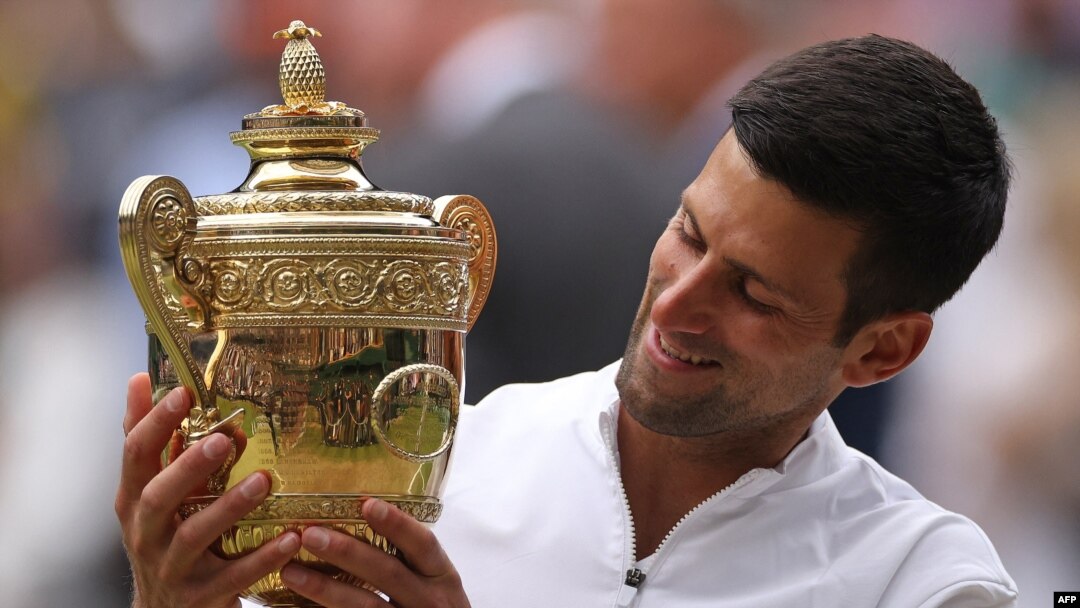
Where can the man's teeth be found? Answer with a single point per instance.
(692, 359)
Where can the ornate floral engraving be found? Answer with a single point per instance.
(321, 508)
(404, 284)
(286, 284)
(468, 214)
(168, 219)
(232, 283)
(370, 285)
(191, 270)
(350, 320)
(293, 133)
(474, 233)
(447, 287)
(351, 281)
(268, 202)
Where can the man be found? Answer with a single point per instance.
(861, 183)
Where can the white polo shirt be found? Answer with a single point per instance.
(535, 516)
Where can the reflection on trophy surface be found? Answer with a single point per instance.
(318, 320)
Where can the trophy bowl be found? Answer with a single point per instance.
(318, 320)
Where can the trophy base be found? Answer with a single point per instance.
(281, 513)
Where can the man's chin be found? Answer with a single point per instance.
(675, 422)
(665, 412)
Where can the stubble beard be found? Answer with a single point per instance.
(705, 414)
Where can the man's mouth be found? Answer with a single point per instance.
(691, 359)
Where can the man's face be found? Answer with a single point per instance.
(744, 295)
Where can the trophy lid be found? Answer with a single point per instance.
(307, 144)
(305, 120)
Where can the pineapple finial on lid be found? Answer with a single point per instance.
(301, 76)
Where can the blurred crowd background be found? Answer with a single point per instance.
(578, 122)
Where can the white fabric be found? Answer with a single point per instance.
(535, 516)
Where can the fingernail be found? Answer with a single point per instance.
(173, 401)
(254, 486)
(377, 510)
(316, 538)
(289, 543)
(215, 446)
(294, 575)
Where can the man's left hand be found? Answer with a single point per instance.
(425, 577)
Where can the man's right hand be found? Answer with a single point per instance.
(170, 558)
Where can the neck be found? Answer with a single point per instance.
(665, 477)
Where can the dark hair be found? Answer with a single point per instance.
(884, 134)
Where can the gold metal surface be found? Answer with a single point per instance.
(157, 225)
(269, 202)
(318, 320)
(301, 76)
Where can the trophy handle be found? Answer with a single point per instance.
(157, 226)
(468, 214)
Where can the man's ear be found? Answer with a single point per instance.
(885, 347)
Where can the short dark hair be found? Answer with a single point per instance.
(885, 134)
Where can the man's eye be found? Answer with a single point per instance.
(752, 301)
(687, 234)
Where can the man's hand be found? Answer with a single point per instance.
(170, 558)
(425, 577)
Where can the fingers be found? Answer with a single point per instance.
(215, 582)
(415, 540)
(240, 574)
(162, 495)
(138, 400)
(170, 559)
(203, 528)
(240, 440)
(152, 431)
(326, 591)
(428, 572)
(359, 559)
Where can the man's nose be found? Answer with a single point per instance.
(688, 304)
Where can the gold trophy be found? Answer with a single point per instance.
(318, 320)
